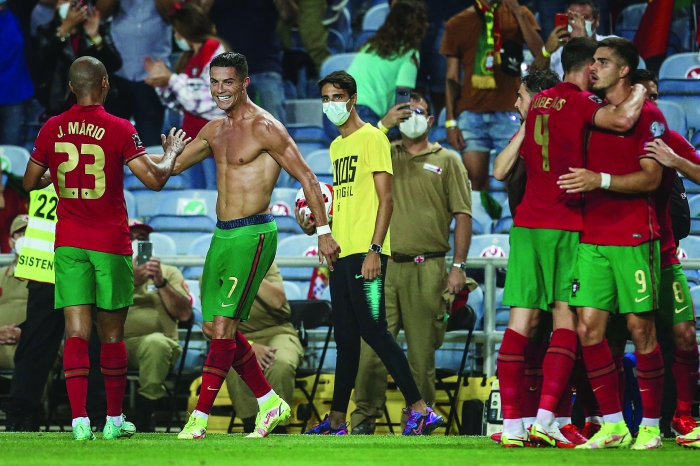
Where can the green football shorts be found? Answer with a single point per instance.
(620, 279)
(675, 305)
(238, 260)
(93, 277)
(539, 267)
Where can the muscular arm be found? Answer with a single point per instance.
(504, 162)
(154, 174)
(646, 180)
(530, 34)
(623, 117)
(382, 183)
(667, 157)
(272, 294)
(195, 152)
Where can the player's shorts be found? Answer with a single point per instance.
(620, 279)
(675, 302)
(240, 255)
(539, 267)
(93, 277)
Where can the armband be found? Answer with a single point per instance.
(382, 128)
(451, 124)
(605, 179)
(323, 230)
(545, 53)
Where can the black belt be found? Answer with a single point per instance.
(419, 259)
(244, 222)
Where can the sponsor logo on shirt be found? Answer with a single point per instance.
(596, 99)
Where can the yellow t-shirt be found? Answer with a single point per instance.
(355, 202)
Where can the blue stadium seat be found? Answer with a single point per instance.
(502, 311)
(695, 226)
(292, 291)
(336, 42)
(340, 61)
(375, 16)
(678, 81)
(691, 247)
(362, 38)
(496, 185)
(131, 208)
(476, 301)
(503, 225)
(306, 148)
(163, 245)
(695, 139)
(190, 202)
(690, 187)
(480, 243)
(675, 116)
(146, 201)
(309, 133)
(694, 204)
(14, 159)
(505, 209)
(320, 162)
(630, 17)
(286, 196)
(479, 213)
(297, 245)
(199, 247)
(679, 66)
(288, 224)
(695, 294)
(290, 90)
(477, 228)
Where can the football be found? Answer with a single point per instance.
(326, 191)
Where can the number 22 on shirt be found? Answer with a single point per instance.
(95, 169)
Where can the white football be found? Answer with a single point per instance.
(326, 191)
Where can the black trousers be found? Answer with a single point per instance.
(359, 312)
(36, 354)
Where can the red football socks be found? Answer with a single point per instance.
(650, 376)
(214, 372)
(246, 365)
(113, 362)
(685, 372)
(558, 364)
(76, 367)
(511, 371)
(603, 377)
(531, 388)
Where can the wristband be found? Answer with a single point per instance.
(382, 128)
(545, 53)
(163, 285)
(96, 41)
(450, 124)
(605, 179)
(323, 230)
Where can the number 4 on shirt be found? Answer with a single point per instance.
(542, 138)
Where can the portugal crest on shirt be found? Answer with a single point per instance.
(657, 129)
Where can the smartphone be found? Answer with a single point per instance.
(561, 19)
(403, 96)
(144, 253)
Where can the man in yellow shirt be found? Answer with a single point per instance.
(362, 207)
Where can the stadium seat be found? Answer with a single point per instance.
(292, 291)
(675, 116)
(690, 187)
(691, 247)
(678, 81)
(695, 226)
(184, 239)
(694, 204)
(479, 212)
(196, 298)
(496, 185)
(503, 225)
(14, 159)
(146, 201)
(505, 209)
(309, 133)
(340, 61)
(695, 294)
(283, 197)
(188, 202)
(131, 209)
(630, 17)
(362, 38)
(336, 42)
(199, 247)
(306, 148)
(480, 244)
(502, 311)
(375, 16)
(477, 227)
(300, 246)
(302, 113)
(320, 162)
(288, 225)
(163, 245)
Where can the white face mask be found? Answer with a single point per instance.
(63, 10)
(182, 43)
(589, 28)
(19, 242)
(337, 112)
(415, 126)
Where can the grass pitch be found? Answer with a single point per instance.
(165, 449)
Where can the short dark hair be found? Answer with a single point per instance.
(232, 60)
(644, 75)
(577, 53)
(624, 50)
(537, 81)
(589, 3)
(340, 80)
(418, 96)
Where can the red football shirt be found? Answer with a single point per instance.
(616, 219)
(662, 198)
(555, 132)
(85, 149)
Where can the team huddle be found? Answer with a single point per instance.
(592, 243)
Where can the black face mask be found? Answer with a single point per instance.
(512, 58)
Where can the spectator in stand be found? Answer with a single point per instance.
(277, 349)
(249, 29)
(584, 19)
(140, 30)
(16, 87)
(42, 13)
(13, 300)
(74, 32)
(388, 61)
(308, 16)
(480, 114)
(161, 299)
(187, 89)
